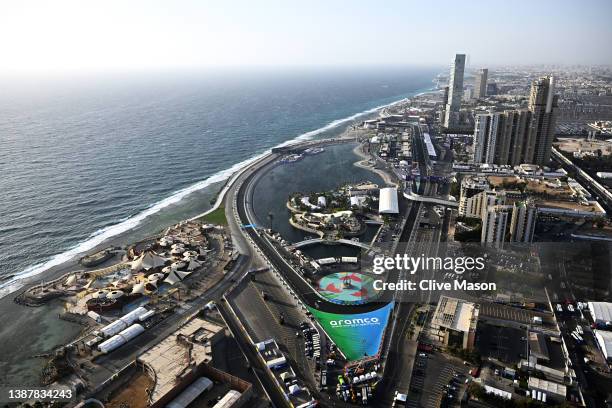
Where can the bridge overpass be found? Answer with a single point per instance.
(336, 241)
(434, 200)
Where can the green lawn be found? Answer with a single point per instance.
(216, 217)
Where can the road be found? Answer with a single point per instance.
(259, 368)
(414, 241)
(399, 362)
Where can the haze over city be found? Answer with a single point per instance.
(47, 37)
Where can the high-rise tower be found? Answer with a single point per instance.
(543, 107)
(480, 86)
(455, 92)
(499, 137)
(495, 225)
(522, 223)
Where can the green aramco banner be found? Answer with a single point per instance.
(356, 335)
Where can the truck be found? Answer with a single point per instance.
(399, 399)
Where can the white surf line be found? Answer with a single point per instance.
(15, 283)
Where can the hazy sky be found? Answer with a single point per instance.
(58, 35)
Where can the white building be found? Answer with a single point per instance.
(475, 206)
(601, 312)
(499, 137)
(485, 137)
(358, 201)
(604, 341)
(190, 393)
(496, 391)
(522, 225)
(494, 225)
(455, 321)
(388, 203)
(604, 174)
(470, 186)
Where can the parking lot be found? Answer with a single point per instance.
(437, 380)
(513, 314)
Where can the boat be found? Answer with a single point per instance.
(292, 158)
(314, 150)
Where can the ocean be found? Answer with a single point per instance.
(84, 159)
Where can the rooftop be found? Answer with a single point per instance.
(455, 314)
(601, 311)
(547, 386)
(388, 201)
(604, 339)
(190, 345)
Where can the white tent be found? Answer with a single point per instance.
(138, 288)
(155, 277)
(148, 260)
(165, 241)
(187, 255)
(176, 276)
(127, 277)
(179, 265)
(100, 294)
(71, 280)
(387, 203)
(121, 338)
(151, 286)
(177, 251)
(115, 294)
(193, 264)
(168, 269)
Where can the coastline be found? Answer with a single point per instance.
(42, 325)
(22, 281)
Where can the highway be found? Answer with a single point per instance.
(398, 363)
(266, 379)
(413, 241)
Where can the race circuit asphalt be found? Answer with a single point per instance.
(305, 291)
